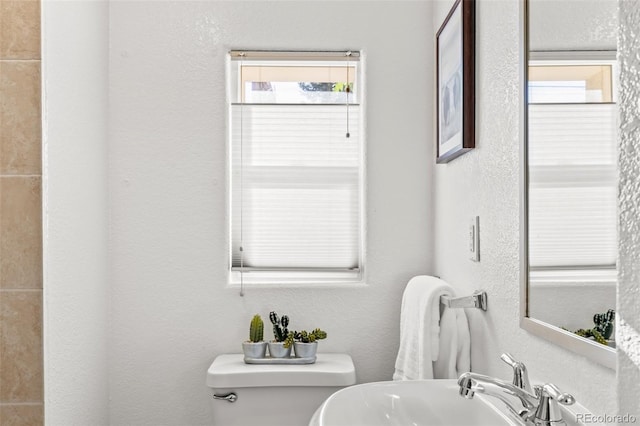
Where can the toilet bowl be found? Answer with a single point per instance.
(269, 395)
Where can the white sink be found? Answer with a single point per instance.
(407, 403)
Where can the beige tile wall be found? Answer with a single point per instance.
(21, 381)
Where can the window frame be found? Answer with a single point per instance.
(296, 277)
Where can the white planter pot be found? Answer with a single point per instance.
(305, 350)
(254, 350)
(277, 350)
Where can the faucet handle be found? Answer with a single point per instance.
(549, 390)
(548, 410)
(520, 376)
(509, 359)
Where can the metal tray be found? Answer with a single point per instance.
(270, 360)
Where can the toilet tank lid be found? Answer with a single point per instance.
(230, 371)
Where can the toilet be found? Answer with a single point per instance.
(274, 394)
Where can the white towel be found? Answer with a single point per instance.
(454, 357)
(419, 328)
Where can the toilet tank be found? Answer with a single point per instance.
(274, 394)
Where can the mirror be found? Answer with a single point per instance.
(569, 152)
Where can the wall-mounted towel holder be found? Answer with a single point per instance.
(476, 300)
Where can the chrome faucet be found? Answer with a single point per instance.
(534, 409)
(470, 383)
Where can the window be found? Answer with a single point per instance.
(572, 165)
(296, 167)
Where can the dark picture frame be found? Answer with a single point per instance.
(455, 82)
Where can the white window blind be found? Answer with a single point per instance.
(296, 189)
(572, 185)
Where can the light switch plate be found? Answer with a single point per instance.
(474, 239)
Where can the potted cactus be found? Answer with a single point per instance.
(280, 347)
(255, 347)
(305, 343)
(603, 330)
(605, 323)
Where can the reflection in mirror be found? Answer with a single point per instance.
(572, 191)
(571, 165)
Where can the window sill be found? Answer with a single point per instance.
(278, 279)
(314, 285)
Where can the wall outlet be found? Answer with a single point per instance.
(474, 239)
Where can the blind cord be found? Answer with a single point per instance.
(348, 90)
(241, 181)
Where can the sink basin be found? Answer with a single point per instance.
(407, 403)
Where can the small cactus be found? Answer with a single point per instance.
(301, 336)
(604, 323)
(582, 332)
(280, 330)
(256, 329)
(598, 337)
(288, 341)
(306, 337)
(319, 334)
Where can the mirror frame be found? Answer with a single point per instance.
(594, 351)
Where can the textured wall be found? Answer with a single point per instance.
(21, 364)
(172, 311)
(76, 297)
(485, 182)
(628, 330)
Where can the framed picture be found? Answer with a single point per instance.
(455, 74)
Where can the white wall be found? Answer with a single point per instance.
(76, 296)
(570, 305)
(485, 182)
(628, 331)
(172, 312)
